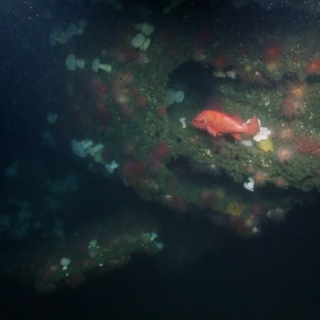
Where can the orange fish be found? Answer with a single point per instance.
(217, 124)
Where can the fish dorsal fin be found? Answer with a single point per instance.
(237, 119)
(216, 106)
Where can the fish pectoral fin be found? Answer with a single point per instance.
(237, 136)
(213, 132)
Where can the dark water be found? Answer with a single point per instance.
(274, 277)
(203, 272)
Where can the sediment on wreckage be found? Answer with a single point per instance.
(236, 79)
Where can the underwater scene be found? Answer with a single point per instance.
(161, 159)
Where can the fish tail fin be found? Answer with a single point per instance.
(253, 126)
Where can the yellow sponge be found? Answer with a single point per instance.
(265, 145)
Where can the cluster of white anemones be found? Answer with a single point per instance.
(263, 134)
(87, 147)
(60, 36)
(141, 40)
